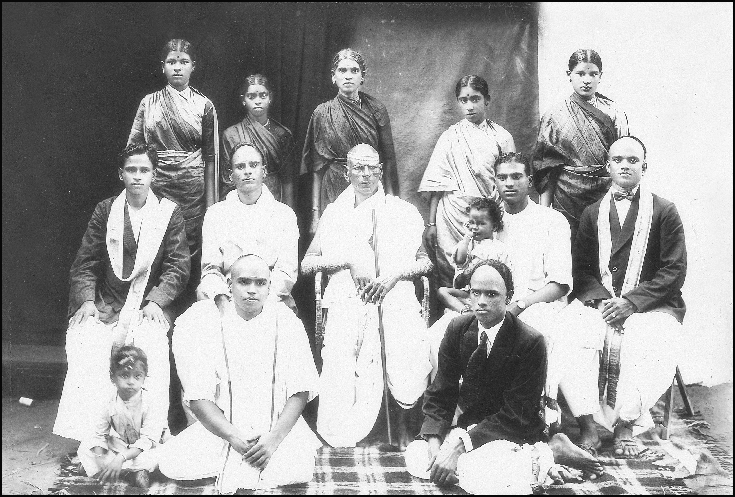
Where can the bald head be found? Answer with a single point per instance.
(364, 154)
(249, 283)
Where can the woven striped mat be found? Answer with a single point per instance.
(370, 471)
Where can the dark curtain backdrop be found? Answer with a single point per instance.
(74, 74)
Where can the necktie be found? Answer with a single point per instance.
(623, 196)
(472, 378)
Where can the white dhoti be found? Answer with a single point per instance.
(88, 386)
(648, 359)
(92, 464)
(351, 383)
(197, 453)
(496, 468)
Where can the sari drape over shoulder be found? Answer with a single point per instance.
(182, 127)
(335, 127)
(461, 167)
(571, 150)
(274, 141)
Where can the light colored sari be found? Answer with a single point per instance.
(461, 167)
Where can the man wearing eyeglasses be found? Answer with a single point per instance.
(351, 383)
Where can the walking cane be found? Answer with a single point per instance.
(381, 332)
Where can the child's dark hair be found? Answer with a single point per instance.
(126, 357)
(493, 210)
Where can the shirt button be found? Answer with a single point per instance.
(614, 269)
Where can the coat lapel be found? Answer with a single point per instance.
(503, 345)
(469, 343)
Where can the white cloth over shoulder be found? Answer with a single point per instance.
(351, 383)
(269, 361)
(231, 227)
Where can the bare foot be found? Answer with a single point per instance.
(568, 454)
(623, 442)
(590, 440)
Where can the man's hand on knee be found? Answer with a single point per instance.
(153, 313)
(86, 310)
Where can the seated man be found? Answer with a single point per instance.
(501, 363)
(132, 263)
(351, 383)
(249, 214)
(538, 241)
(629, 267)
(247, 373)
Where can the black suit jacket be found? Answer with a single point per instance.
(664, 266)
(92, 277)
(515, 376)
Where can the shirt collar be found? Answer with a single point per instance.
(266, 198)
(492, 333)
(616, 188)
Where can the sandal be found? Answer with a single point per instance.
(625, 443)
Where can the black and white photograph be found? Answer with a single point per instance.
(322, 248)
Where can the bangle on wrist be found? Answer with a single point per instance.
(430, 224)
(123, 456)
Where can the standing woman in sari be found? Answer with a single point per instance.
(574, 136)
(273, 140)
(349, 119)
(182, 124)
(461, 169)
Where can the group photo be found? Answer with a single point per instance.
(354, 248)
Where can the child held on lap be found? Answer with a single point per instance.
(125, 433)
(479, 242)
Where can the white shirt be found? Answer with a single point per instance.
(492, 334)
(623, 205)
(538, 240)
(136, 218)
(231, 227)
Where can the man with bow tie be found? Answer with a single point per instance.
(629, 264)
(486, 432)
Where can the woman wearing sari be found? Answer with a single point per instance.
(351, 118)
(182, 125)
(461, 169)
(574, 136)
(273, 140)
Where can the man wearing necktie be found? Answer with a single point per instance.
(629, 265)
(492, 370)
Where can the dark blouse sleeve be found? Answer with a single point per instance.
(137, 134)
(288, 169)
(208, 138)
(385, 145)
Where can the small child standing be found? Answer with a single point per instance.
(125, 432)
(479, 242)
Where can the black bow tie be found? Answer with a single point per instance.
(623, 196)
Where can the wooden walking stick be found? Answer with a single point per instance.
(381, 332)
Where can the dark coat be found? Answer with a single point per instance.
(515, 375)
(92, 277)
(664, 265)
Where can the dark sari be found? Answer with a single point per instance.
(335, 127)
(274, 141)
(571, 150)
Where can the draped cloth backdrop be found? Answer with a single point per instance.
(73, 75)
